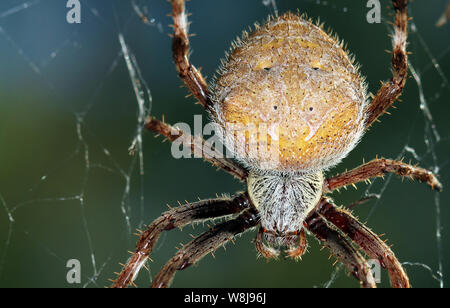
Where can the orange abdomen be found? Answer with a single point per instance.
(290, 91)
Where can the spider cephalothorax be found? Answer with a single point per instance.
(283, 200)
(289, 103)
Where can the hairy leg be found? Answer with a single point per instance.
(372, 245)
(198, 144)
(392, 89)
(177, 217)
(341, 249)
(191, 77)
(204, 244)
(378, 168)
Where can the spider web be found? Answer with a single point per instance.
(79, 174)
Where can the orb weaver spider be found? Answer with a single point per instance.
(291, 76)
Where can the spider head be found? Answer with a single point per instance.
(289, 98)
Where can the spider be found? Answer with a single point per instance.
(296, 80)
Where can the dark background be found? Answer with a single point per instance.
(68, 115)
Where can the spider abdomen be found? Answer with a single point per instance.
(291, 90)
(284, 200)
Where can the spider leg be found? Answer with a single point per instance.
(378, 168)
(198, 144)
(177, 217)
(392, 89)
(191, 77)
(372, 245)
(204, 244)
(342, 249)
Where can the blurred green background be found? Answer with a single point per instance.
(68, 115)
